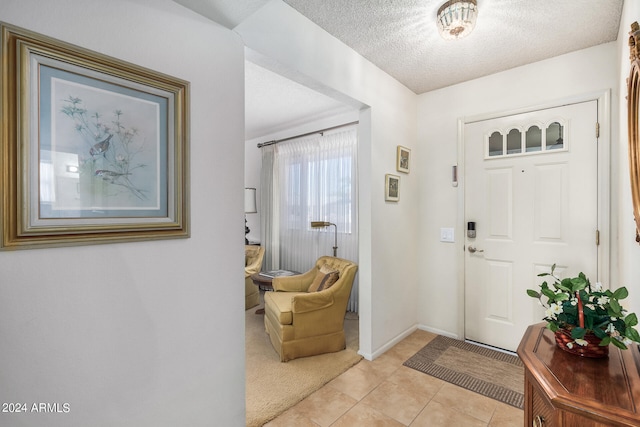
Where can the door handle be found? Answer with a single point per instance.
(473, 250)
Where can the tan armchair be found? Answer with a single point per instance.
(252, 265)
(302, 323)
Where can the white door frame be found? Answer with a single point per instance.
(604, 180)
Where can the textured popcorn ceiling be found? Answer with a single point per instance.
(401, 37)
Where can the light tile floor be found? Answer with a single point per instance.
(386, 393)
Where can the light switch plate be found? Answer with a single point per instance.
(447, 235)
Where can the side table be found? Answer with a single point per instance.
(264, 283)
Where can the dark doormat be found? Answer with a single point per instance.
(491, 373)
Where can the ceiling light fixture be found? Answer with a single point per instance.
(457, 18)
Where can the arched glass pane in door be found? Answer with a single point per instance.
(514, 141)
(495, 144)
(533, 139)
(555, 136)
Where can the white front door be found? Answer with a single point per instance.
(531, 190)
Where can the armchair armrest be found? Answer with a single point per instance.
(304, 303)
(253, 260)
(253, 268)
(297, 283)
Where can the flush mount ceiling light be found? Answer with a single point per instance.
(457, 18)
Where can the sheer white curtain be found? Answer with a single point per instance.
(312, 179)
(269, 190)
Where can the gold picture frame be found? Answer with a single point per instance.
(633, 110)
(391, 188)
(94, 149)
(403, 158)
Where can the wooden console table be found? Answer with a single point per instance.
(563, 389)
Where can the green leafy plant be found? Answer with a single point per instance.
(575, 305)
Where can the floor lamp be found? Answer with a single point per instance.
(322, 224)
(249, 207)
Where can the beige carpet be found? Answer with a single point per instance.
(273, 387)
(495, 374)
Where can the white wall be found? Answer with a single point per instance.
(388, 267)
(148, 333)
(628, 250)
(574, 74)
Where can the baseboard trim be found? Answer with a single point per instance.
(438, 331)
(380, 351)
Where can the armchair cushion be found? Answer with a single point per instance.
(325, 277)
(282, 302)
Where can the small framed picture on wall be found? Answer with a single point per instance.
(392, 188)
(402, 159)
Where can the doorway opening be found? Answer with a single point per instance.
(278, 107)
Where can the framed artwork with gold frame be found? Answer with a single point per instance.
(94, 149)
(633, 100)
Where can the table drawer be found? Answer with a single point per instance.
(543, 412)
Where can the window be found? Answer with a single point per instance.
(535, 140)
(319, 182)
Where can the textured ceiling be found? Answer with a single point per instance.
(401, 38)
